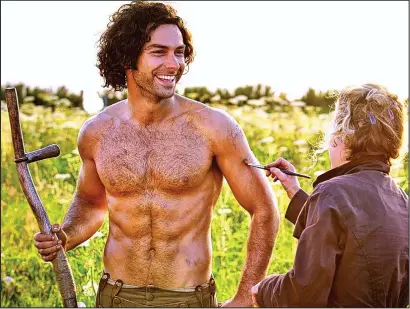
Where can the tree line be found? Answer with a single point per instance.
(258, 95)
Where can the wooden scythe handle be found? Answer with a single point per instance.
(62, 268)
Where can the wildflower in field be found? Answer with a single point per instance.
(216, 98)
(70, 124)
(28, 118)
(303, 149)
(90, 288)
(62, 176)
(236, 112)
(281, 101)
(303, 130)
(8, 279)
(323, 117)
(255, 102)
(223, 211)
(317, 173)
(266, 140)
(87, 242)
(63, 201)
(84, 244)
(400, 179)
(241, 98)
(262, 113)
(233, 101)
(97, 234)
(299, 142)
(298, 104)
(64, 102)
(3, 106)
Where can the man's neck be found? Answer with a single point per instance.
(146, 109)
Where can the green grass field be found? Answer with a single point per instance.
(27, 281)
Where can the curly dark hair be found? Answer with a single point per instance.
(127, 31)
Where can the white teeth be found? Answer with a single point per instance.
(167, 77)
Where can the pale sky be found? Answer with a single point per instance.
(289, 46)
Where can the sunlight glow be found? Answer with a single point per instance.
(289, 46)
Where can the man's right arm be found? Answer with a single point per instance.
(89, 206)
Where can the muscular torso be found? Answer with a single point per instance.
(161, 185)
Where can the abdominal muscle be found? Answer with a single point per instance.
(155, 239)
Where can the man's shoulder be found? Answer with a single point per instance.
(210, 117)
(221, 129)
(96, 126)
(104, 118)
(224, 126)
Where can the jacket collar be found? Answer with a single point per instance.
(365, 162)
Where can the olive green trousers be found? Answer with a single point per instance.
(116, 294)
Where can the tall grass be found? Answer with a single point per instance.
(27, 281)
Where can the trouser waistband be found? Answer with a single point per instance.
(205, 293)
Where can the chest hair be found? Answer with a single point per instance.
(172, 157)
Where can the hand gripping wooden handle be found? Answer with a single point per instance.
(62, 268)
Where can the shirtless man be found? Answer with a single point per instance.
(155, 163)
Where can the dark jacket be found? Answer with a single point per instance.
(353, 248)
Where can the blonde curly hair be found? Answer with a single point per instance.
(369, 120)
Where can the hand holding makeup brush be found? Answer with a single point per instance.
(289, 183)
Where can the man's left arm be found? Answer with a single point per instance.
(252, 190)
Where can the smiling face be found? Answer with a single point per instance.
(161, 63)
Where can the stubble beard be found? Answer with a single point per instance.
(148, 86)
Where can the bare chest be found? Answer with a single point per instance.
(171, 158)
